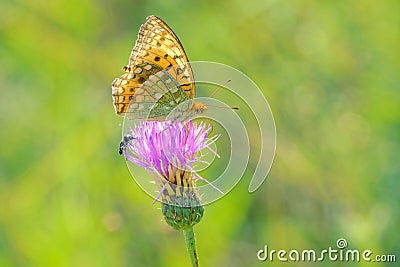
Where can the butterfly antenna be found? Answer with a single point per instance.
(233, 108)
(216, 91)
(219, 88)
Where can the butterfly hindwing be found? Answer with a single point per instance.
(125, 87)
(157, 97)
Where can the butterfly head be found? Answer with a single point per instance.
(198, 107)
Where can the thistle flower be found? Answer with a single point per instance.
(169, 151)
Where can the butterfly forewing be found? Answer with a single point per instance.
(159, 45)
(158, 77)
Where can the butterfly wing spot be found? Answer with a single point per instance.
(138, 70)
(145, 54)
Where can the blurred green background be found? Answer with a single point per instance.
(329, 69)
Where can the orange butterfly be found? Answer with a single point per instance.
(158, 76)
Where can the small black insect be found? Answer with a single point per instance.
(124, 142)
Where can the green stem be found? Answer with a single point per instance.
(191, 246)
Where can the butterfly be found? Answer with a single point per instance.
(158, 78)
